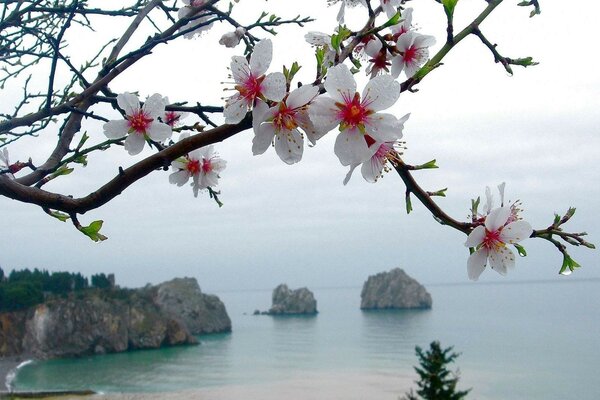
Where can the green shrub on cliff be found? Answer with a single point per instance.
(20, 295)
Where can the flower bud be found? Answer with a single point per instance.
(232, 39)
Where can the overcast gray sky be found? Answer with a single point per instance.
(538, 131)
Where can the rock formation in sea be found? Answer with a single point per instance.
(113, 320)
(393, 290)
(292, 302)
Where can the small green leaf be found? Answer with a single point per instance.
(524, 62)
(64, 170)
(427, 165)
(568, 265)
(93, 231)
(392, 21)
(60, 216)
(408, 203)
(556, 219)
(449, 7)
(520, 250)
(82, 141)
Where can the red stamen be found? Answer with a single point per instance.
(193, 166)
(139, 122)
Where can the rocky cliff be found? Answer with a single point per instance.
(393, 289)
(106, 321)
(287, 301)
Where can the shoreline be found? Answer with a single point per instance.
(8, 365)
(349, 385)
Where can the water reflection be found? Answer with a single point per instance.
(388, 336)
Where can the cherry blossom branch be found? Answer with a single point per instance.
(126, 177)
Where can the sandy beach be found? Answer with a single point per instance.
(336, 386)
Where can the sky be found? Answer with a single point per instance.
(538, 131)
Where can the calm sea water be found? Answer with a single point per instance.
(518, 341)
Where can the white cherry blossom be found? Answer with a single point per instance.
(373, 168)
(279, 126)
(342, 12)
(404, 25)
(201, 165)
(5, 162)
(491, 242)
(390, 7)
(141, 123)
(199, 20)
(251, 83)
(232, 39)
(414, 53)
(357, 117)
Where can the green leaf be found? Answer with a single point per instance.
(524, 62)
(392, 21)
(81, 160)
(568, 266)
(64, 170)
(427, 165)
(449, 7)
(60, 216)
(408, 203)
(93, 231)
(82, 141)
(520, 250)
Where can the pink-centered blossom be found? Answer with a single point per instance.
(251, 83)
(172, 118)
(373, 168)
(414, 53)
(404, 25)
(140, 123)
(202, 165)
(379, 58)
(491, 241)
(357, 116)
(279, 126)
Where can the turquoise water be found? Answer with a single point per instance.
(518, 341)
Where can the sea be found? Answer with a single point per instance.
(516, 340)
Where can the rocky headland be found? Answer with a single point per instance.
(393, 290)
(286, 301)
(112, 320)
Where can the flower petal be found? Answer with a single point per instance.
(385, 127)
(235, 110)
(476, 263)
(497, 218)
(397, 66)
(263, 137)
(273, 87)
(324, 114)
(502, 259)
(239, 69)
(515, 232)
(179, 178)
(340, 83)
(371, 169)
(159, 132)
(301, 96)
(116, 129)
(261, 57)
(289, 146)
(349, 174)
(134, 144)
(155, 106)
(128, 102)
(259, 114)
(476, 237)
(351, 147)
(381, 92)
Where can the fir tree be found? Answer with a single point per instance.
(436, 381)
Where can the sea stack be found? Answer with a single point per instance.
(292, 302)
(393, 290)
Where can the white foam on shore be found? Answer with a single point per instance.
(10, 377)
